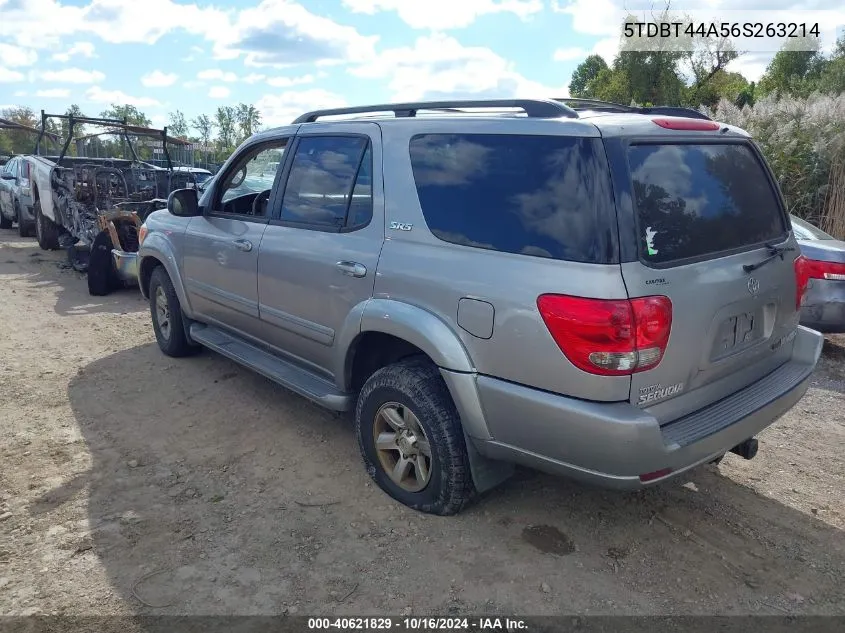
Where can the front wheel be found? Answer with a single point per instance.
(166, 314)
(411, 439)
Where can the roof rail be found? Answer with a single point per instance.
(534, 108)
(597, 104)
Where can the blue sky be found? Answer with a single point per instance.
(288, 56)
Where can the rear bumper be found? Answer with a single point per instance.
(823, 308)
(612, 444)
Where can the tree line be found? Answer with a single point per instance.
(697, 75)
(216, 135)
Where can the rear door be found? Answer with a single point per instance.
(707, 215)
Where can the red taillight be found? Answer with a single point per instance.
(614, 337)
(687, 124)
(802, 278)
(832, 271)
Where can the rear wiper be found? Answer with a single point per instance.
(774, 251)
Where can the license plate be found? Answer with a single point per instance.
(736, 332)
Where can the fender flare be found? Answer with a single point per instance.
(157, 248)
(419, 327)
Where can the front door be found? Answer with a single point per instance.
(319, 254)
(221, 246)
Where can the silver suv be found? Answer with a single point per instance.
(604, 292)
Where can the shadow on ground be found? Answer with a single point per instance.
(50, 271)
(213, 491)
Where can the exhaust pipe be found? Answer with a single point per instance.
(747, 449)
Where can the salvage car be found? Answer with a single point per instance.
(823, 308)
(605, 292)
(16, 197)
(93, 207)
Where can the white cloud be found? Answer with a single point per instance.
(751, 65)
(159, 79)
(71, 76)
(569, 54)
(438, 66)
(444, 14)
(288, 82)
(219, 92)
(85, 49)
(254, 78)
(95, 94)
(283, 33)
(283, 108)
(593, 17)
(53, 93)
(215, 74)
(9, 76)
(21, 93)
(17, 56)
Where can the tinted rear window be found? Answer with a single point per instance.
(546, 196)
(697, 200)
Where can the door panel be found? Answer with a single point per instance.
(220, 267)
(318, 259)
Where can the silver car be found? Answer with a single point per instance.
(823, 307)
(603, 292)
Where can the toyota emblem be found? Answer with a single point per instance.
(753, 285)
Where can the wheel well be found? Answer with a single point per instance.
(373, 350)
(148, 265)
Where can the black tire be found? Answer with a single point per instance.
(46, 231)
(416, 384)
(102, 274)
(171, 340)
(5, 223)
(24, 228)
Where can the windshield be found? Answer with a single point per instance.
(201, 177)
(805, 231)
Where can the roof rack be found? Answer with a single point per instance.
(534, 108)
(596, 104)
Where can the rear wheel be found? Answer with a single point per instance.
(5, 223)
(166, 313)
(411, 439)
(46, 231)
(24, 228)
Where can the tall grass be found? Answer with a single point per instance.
(804, 141)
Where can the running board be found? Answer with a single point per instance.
(288, 375)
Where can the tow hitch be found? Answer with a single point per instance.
(747, 449)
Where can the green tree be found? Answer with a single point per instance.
(226, 120)
(248, 119)
(19, 141)
(177, 125)
(204, 127)
(793, 71)
(832, 78)
(586, 72)
(132, 114)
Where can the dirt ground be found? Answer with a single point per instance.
(135, 483)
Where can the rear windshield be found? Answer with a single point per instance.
(545, 196)
(697, 200)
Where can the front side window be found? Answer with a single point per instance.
(253, 174)
(330, 180)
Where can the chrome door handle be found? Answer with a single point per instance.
(243, 245)
(353, 269)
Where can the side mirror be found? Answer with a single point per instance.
(183, 203)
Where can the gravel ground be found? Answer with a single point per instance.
(132, 483)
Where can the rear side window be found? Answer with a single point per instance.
(546, 196)
(694, 201)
